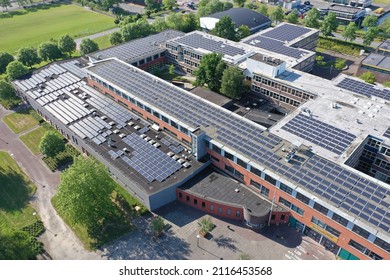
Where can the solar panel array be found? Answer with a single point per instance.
(198, 41)
(149, 161)
(275, 46)
(363, 88)
(319, 133)
(387, 133)
(286, 32)
(137, 48)
(73, 66)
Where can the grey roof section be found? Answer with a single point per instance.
(211, 96)
(385, 45)
(138, 47)
(377, 60)
(340, 187)
(221, 188)
(286, 32)
(275, 46)
(243, 16)
(200, 41)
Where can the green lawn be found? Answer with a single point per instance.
(33, 138)
(21, 121)
(15, 191)
(103, 42)
(37, 26)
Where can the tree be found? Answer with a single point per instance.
(340, 63)
(311, 18)
(20, 2)
(168, 4)
(232, 81)
(87, 46)
(239, 3)
(277, 15)
(17, 245)
(160, 24)
(6, 90)
(368, 77)
(51, 144)
(210, 71)
(329, 24)
(225, 28)
(28, 56)
(206, 8)
(5, 59)
(116, 38)
(370, 21)
(171, 69)
(85, 195)
(205, 225)
(370, 35)
(263, 9)
(5, 4)
(49, 51)
(242, 32)
(349, 32)
(66, 44)
(140, 28)
(157, 224)
(151, 4)
(16, 69)
(190, 22)
(293, 16)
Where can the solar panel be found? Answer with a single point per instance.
(363, 88)
(387, 133)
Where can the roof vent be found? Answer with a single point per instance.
(237, 190)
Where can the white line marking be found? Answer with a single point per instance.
(316, 257)
(320, 252)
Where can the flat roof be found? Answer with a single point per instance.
(265, 59)
(385, 45)
(288, 33)
(344, 8)
(261, 149)
(243, 16)
(138, 48)
(218, 187)
(216, 98)
(378, 61)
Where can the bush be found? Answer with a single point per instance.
(339, 46)
(62, 158)
(36, 229)
(205, 225)
(368, 77)
(387, 84)
(340, 63)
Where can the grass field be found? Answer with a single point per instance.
(33, 138)
(21, 121)
(103, 42)
(40, 25)
(15, 191)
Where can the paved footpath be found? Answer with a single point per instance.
(60, 242)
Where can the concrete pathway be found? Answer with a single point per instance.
(60, 242)
(96, 35)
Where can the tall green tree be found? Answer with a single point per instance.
(28, 56)
(5, 4)
(16, 69)
(329, 24)
(368, 77)
(140, 28)
(277, 15)
(115, 38)
(160, 24)
(370, 35)
(49, 51)
(206, 8)
(66, 44)
(151, 4)
(232, 82)
(5, 59)
(169, 4)
(87, 46)
(190, 22)
(239, 3)
(349, 32)
(263, 9)
(293, 16)
(242, 32)
(225, 28)
(370, 21)
(17, 245)
(51, 144)
(210, 71)
(312, 18)
(6, 90)
(85, 194)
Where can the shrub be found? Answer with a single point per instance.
(62, 158)
(340, 63)
(339, 46)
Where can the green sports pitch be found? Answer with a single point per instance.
(29, 28)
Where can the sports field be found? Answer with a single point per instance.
(40, 25)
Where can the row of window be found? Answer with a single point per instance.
(275, 96)
(291, 206)
(191, 63)
(385, 151)
(324, 226)
(369, 155)
(383, 164)
(211, 206)
(364, 250)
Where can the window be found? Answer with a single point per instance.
(229, 212)
(360, 231)
(270, 179)
(273, 217)
(216, 149)
(286, 188)
(207, 143)
(211, 207)
(382, 244)
(297, 209)
(187, 198)
(184, 130)
(165, 119)
(332, 231)
(219, 209)
(256, 171)
(303, 198)
(373, 256)
(317, 222)
(337, 218)
(155, 56)
(139, 104)
(229, 168)
(357, 246)
(264, 191)
(241, 163)
(238, 213)
(229, 156)
(203, 204)
(285, 202)
(174, 124)
(180, 195)
(156, 114)
(147, 109)
(195, 201)
(214, 158)
(321, 208)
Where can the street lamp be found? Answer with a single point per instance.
(197, 240)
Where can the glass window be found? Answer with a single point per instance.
(285, 202)
(264, 191)
(270, 179)
(174, 124)
(303, 198)
(297, 209)
(229, 211)
(356, 245)
(229, 156)
(229, 168)
(211, 207)
(382, 244)
(362, 232)
(318, 222)
(286, 188)
(216, 149)
(321, 208)
(164, 118)
(256, 171)
(238, 213)
(219, 209)
(241, 163)
(332, 231)
(337, 218)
